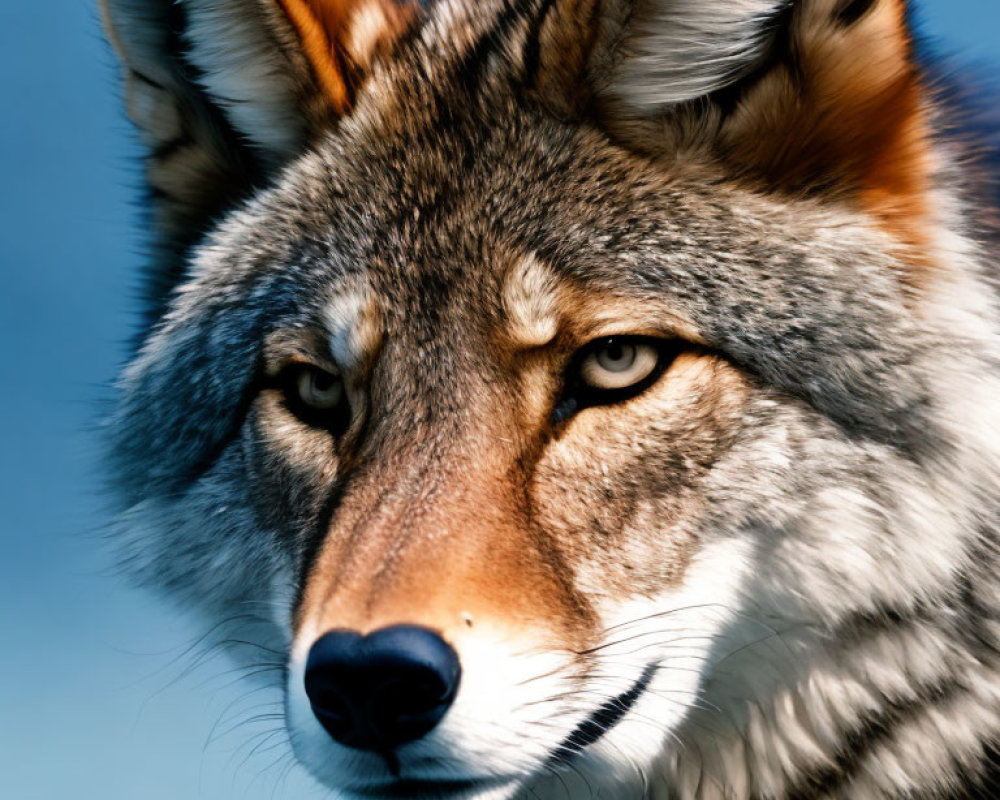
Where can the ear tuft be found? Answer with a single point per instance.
(226, 91)
(848, 114)
(679, 50)
(340, 38)
(818, 96)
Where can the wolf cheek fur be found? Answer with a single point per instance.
(642, 355)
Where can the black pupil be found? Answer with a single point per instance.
(322, 381)
(614, 351)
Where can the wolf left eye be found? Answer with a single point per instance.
(318, 389)
(316, 396)
(618, 363)
(614, 369)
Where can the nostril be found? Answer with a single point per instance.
(331, 708)
(382, 690)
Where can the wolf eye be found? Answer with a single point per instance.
(618, 363)
(316, 396)
(318, 389)
(614, 369)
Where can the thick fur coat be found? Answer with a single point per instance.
(767, 568)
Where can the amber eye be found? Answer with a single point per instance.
(318, 389)
(614, 369)
(316, 396)
(618, 363)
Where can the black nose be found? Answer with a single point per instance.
(379, 691)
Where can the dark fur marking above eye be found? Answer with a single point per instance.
(852, 10)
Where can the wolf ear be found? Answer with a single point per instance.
(224, 91)
(802, 95)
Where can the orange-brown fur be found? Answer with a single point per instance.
(337, 50)
(412, 539)
(849, 117)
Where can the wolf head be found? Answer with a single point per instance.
(584, 397)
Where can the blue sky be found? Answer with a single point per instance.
(92, 700)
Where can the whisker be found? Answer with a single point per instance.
(608, 645)
(667, 613)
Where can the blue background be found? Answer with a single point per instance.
(97, 696)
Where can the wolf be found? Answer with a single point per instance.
(579, 398)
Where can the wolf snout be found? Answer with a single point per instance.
(381, 690)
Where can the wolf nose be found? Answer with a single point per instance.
(382, 690)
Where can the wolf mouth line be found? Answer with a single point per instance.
(599, 723)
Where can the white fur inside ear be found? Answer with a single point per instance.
(238, 60)
(245, 73)
(679, 50)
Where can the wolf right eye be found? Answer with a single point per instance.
(316, 396)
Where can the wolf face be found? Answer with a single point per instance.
(585, 399)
